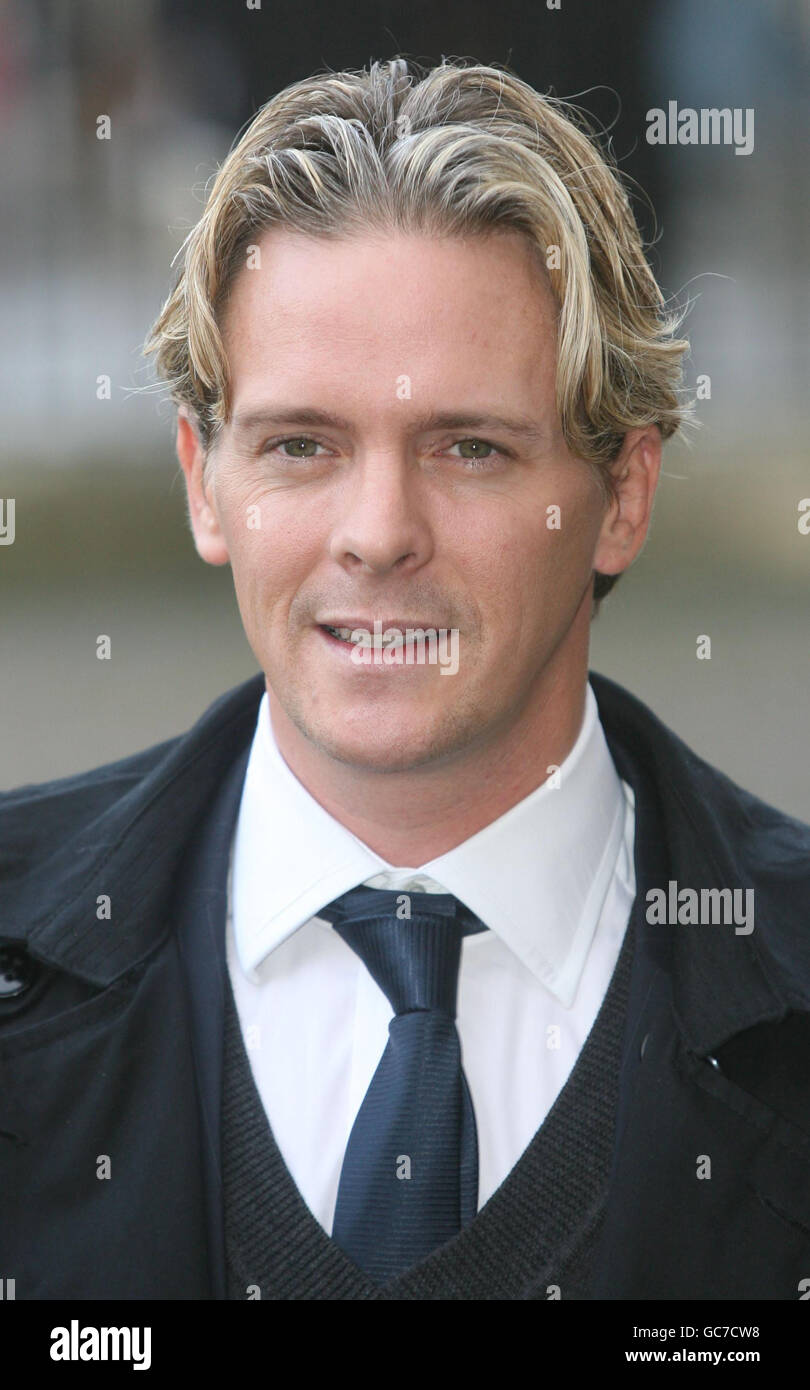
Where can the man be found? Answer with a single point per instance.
(427, 965)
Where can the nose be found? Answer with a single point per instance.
(382, 522)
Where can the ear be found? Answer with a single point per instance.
(624, 528)
(203, 516)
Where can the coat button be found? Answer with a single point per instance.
(17, 972)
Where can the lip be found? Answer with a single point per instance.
(367, 624)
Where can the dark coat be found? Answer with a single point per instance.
(111, 1057)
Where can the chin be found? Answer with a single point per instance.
(378, 741)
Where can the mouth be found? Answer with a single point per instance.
(392, 632)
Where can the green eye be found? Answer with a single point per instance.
(297, 452)
(475, 444)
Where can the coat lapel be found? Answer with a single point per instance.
(201, 921)
(109, 1102)
(709, 1193)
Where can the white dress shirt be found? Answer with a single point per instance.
(552, 878)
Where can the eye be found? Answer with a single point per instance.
(479, 460)
(297, 440)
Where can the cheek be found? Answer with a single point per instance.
(532, 569)
(269, 540)
(524, 556)
(268, 570)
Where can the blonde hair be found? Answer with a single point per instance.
(463, 149)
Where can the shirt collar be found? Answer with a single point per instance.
(537, 876)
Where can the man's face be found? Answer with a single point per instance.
(377, 510)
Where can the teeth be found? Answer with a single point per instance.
(345, 635)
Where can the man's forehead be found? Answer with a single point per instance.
(353, 317)
(419, 274)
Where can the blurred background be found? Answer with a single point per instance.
(90, 227)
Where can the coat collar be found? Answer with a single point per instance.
(148, 809)
(134, 819)
(696, 826)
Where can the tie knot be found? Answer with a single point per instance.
(410, 943)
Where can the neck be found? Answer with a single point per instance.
(411, 817)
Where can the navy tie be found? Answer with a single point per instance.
(409, 1180)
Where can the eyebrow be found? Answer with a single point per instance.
(247, 421)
